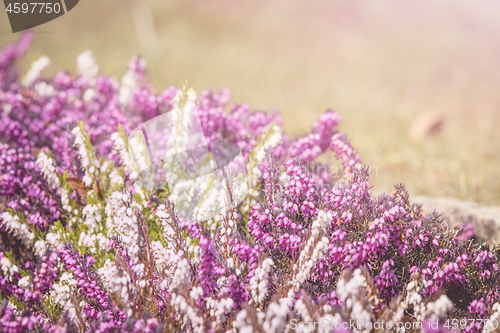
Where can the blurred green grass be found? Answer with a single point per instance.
(378, 64)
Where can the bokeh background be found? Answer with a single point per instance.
(380, 64)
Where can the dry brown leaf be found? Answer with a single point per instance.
(77, 184)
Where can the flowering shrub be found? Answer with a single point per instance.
(84, 248)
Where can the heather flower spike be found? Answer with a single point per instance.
(171, 151)
(126, 209)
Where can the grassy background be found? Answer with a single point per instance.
(380, 64)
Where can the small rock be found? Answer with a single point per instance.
(485, 220)
(475, 220)
(426, 125)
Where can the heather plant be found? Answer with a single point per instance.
(86, 248)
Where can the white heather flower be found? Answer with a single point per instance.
(88, 95)
(227, 202)
(102, 242)
(327, 321)
(92, 217)
(125, 222)
(270, 140)
(312, 252)
(189, 315)
(235, 191)
(139, 269)
(228, 198)
(54, 240)
(129, 84)
(207, 206)
(40, 247)
(352, 293)
(109, 274)
(195, 251)
(7, 108)
(259, 151)
(85, 240)
(115, 179)
(183, 193)
(44, 90)
(80, 143)
(353, 288)
(397, 316)
(84, 155)
(182, 272)
(196, 293)
(87, 179)
(182, 137)
(67, 279)
(21, 231)
(65, 199)
(24, 282)
(139, 153)
(140, 191)
(92, 241)
(494, 318)
(323, 221)
(303, 312)
(260, 281)
(86, 65)
(218, 309)
(414, 298)
(243, 323)
(127, 88)
(8, 268)
(104, 167)
(36, 69)
(438, 308)
(60, 293)
(116, 283)
(160, 254)
(230, 263)
(181, 119)
(109, 219)
(221, 281)
(48, 169)
(276, 315)
(166, 222)
(120, 147)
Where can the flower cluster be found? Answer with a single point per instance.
(85, 248)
